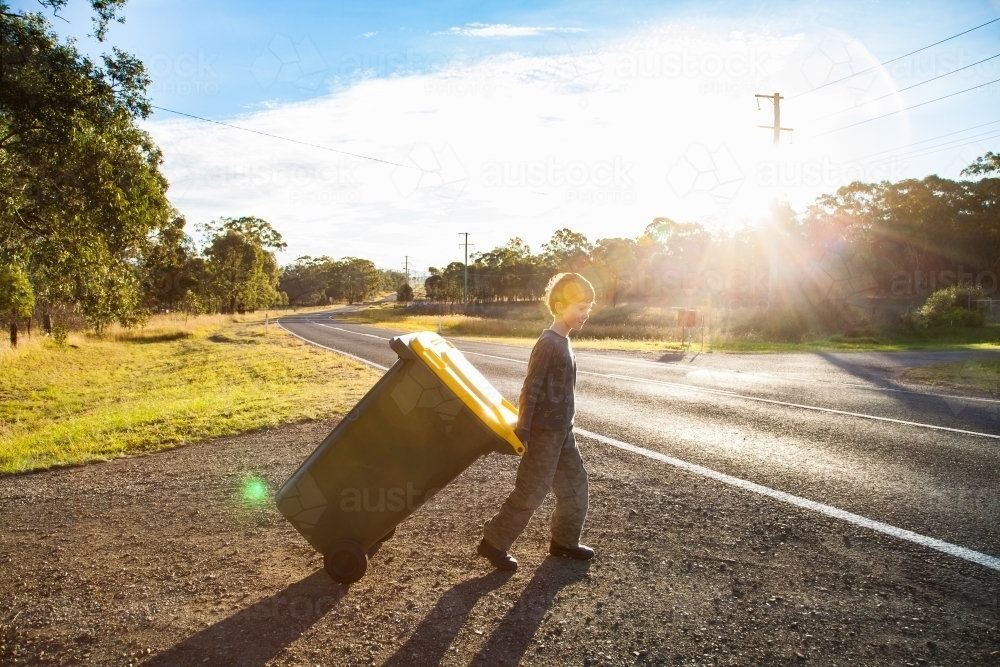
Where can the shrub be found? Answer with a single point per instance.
(59, 334)
(948, 307)
(960, 317)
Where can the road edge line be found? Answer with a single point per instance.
(332, 349)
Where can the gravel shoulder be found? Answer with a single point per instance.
(158, 560)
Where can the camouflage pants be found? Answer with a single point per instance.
(552, 461)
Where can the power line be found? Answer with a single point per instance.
(905, 55)
(892, 113)
(920, 155)
(924, 141)
(907, 88)
(931, 150)
(954, 143)
(294, 141)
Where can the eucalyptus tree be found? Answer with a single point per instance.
(80, 188)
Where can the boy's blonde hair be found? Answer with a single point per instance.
(567, 288)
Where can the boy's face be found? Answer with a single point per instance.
(575, 314)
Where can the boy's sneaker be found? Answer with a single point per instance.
(500, 559)
(580, 552)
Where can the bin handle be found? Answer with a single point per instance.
(497, 411)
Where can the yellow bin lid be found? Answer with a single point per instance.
(452, 368)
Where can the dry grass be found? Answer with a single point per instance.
(653, 329)
(172, 382)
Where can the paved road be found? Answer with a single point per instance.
(837, 429)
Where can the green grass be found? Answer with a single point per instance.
(974, 375)
(610, 330)
(174, 382)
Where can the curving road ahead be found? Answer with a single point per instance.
(833, 432)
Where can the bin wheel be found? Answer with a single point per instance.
(387, 536)
(345, 561)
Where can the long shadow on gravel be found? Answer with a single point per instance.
(428, 643)
(511, 639)
(258, 633)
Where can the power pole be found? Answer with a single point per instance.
(776, 100)
(465, 291)
(406, 265)
(774, 264)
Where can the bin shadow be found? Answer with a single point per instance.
(511, 639)
(253, 636)
(672, 357)
(428, 643)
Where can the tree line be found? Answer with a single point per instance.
(884, 240)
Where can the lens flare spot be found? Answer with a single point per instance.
(254, 490)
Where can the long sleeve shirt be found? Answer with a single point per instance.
(547, 396)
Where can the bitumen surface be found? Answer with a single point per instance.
(838, 429)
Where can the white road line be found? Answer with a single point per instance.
(861, 415)
(356, 333)
(856, 519)
(733, 394)
(346, 354)
(737, 375)
(947, 547)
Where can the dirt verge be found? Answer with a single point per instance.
(160, 560)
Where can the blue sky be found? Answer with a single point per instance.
(511, 119)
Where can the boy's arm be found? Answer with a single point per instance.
(538, 364)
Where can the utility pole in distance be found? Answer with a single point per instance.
(406, 267)
(776, 100)
(465, 291)
(774, 265)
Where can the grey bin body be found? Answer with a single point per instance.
(405, 440)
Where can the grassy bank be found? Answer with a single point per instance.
(173, 382)
(653, 330)
(983, 376)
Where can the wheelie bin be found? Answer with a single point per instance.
(425, 421)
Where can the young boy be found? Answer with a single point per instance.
(545, 426)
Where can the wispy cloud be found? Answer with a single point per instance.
(522, 145)
(504, 30)
(370, 33)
